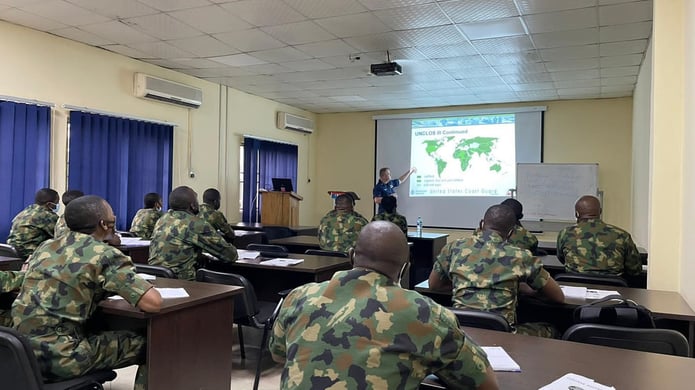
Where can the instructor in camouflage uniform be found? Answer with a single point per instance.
(484, 272)
(35, 224)
(61, 227)
(180, 237)
(338, 230)
(210, 212)
(389, 203)
(361, 330)
(65, 281)
(145, 219)
(595, 247)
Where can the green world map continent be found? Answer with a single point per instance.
(464, 152)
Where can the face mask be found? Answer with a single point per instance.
(402, 272)
(56, 208)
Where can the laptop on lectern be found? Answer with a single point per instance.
(282, 184)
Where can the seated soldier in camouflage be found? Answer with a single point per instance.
(484, 272)
(361, 330)
(61, 227)
(9, 281)
(339, 228)
(145, 219)
(389, 203)
(180, 237)
(520, 237)
(63, 285)
(35, 224)
(210, 212)
(595, 247)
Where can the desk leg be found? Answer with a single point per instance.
(191, 348)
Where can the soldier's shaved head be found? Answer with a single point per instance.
(212, 197)
(343, 203)
(69, 196)
(46, 195)
(181, 198)
(516, 206)
(83, 214)
(382, 247)
(499, 218)
(588, 207)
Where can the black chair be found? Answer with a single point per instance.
(321, 252)
(248, 311)
(8, 251)
(156, 270)
(268, 248)
(20, 370)
(665, 341)
(616, 281)
(481, 319)
(125, 234)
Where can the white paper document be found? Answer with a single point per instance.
(500, 359)
(147, 276)
(244, 254)
(575, 382)
(282, 262)
(599, 294)
(586, 293)
(134, 241)
(172, 292)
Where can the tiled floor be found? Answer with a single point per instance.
(243, 371)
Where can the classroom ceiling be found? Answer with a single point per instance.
(315, 54)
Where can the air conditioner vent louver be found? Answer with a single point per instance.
(151, 87)
(289, 121)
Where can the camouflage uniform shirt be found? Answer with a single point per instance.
(9, 281)
(179, 238)
(359, 330)
(61, 227)
(339, 231)
(395, 218)
(65, 281)
(217, 220)
(144, 221)
(485, 272)
(32, 226)
(593, 246)
(523, 239)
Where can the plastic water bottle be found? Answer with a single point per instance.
(418, 228)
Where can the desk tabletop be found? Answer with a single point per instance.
(300, 240)
(426, 236)
(544, 360)
(198, 293)
(311, 263)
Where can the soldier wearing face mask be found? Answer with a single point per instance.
(145, 219)
(180, 237)
(35, 224)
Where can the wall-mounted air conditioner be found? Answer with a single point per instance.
(151, 87)
(289, 121)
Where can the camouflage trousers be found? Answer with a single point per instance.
(538, 329)
(67, 356)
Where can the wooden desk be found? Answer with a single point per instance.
(10, 263)
(426, 248)
(297, 244)
(138, 250)
(242, 238)
(258, 227)
(189, 342)
(268, 280)
(544, 360)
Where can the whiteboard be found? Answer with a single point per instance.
(549, 191)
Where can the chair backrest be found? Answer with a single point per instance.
(481, 319)
(666, 341)
(8, 250)
(616, 281)
(19, 369)
(246, 304)
(124, 233)
(267, 248)
(321, 252)
(156, 270)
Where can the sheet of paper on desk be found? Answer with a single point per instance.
(244, 254)
(500, 359)
(599, 294)
(574, 292)
(282, 262)
(147, 276)
(172, 292)
(575, 382)
(134, 241)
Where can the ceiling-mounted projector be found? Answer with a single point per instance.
(386, 69)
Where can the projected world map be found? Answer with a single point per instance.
(465, 151)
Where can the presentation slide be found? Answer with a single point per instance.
(463, 156)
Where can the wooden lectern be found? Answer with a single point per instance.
(280, 208)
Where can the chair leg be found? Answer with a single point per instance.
(264, 340)
(241, 342)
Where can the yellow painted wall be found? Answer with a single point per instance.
(43, 67)
(346, 149)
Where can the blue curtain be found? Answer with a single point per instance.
(264, 160)
(120, 160)
(25, 152)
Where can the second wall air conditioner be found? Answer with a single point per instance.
(289, 121)
(151, 87)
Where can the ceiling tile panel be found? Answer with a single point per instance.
(115, 9)
(442, 35)
(463, 11)
(307, 65)
(353, 25)
(172, 5)
(566, 38)
(198, 63)
(543, 6)
(162, 26)
(512, 58)
(65, 13)
(526, 78)
(620, 71)
(203, 46)
(315, 9)
(161, 49)
(378, 42)
(627, 80)
(468, 73)
(23, 18)
(446, 51)
(504, 45)
(623, 47)
(118, 31)
(267, 69)
(330, 48)
(417, 16)
(575, 75)
(466, 62)
(532, 86)
(280, 55)
(238, 60)
(625, 32)
(348, 63)
(520, 69)
(384, 4)
(264, 12)
(299, 33)
(584, 63)
(211, 19)
(577, 83)
(638, 11)
(493, 29)
(562, 20)
(250, 40)
(568, 53)
(619, 61)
